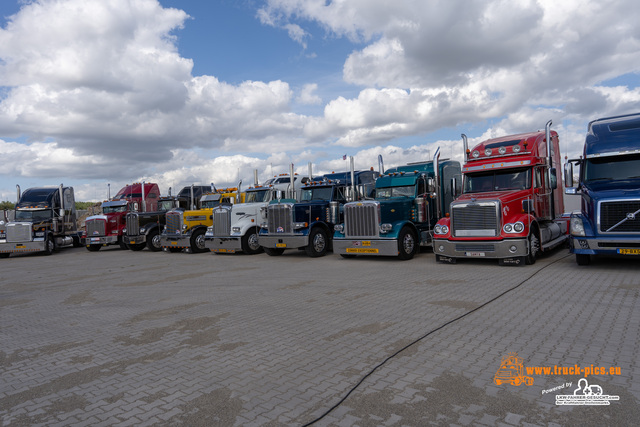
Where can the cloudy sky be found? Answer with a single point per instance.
(190, 91)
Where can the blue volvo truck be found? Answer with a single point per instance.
(609, 184)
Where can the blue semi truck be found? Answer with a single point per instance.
(609, 184)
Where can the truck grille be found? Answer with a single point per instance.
(19, 232)
(475, 219)
(620, 216)
(221, 222)
(96, 227)
(174, 222)
(133, 224)
(280, 218)
(361, 219)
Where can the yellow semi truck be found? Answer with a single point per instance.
(185, 229)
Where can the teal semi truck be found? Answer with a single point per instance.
(609, 185)
(408, 202)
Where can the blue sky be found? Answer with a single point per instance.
(184, 91)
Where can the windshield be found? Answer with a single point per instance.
(316, 193)
(165, 205)
(114, 209)
(510, 179)
(210, 204)
(612, 168)
(257, 196)
(33, 215)
(388, 192)
(36, 195)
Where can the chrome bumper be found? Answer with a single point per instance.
(182, 241)
(22, 247)
(494, 249)
(285, 242)
(102, 240)
(224, 244)
(380, 247)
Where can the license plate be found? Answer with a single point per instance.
(629, 251)
(281, 245)
(174, 243)
(95, 239)
(366, 243)
(474, 254)
(21, 247)
(224, 251)
(362, 251)
(132, 242)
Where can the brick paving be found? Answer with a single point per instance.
(139, 338)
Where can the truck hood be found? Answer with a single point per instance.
(613, 189)
(504, 196)
(103, 217)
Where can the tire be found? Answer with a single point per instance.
(122, 244)
(76, 241)
(94, 248)
(318, 243)
(138, 247)
(583, 259)
(407, 244)
(250, 243)
(534, 249)
(197, 242)
(274, 251)
(153, 241)
(49, 245)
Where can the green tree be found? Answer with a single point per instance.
(7, 206)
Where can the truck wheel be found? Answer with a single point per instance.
(318, 243)
(250, 243)
(197, 242)
(122, 244)
(49, 246)
(153, 241)
(534, 248)
(274, 251)
(76, 241)
(583, 259)
(5, 255)
(407, 244)
(94, 248)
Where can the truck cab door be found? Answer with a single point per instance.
(542, 192)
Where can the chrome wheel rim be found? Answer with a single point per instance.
(408, 243)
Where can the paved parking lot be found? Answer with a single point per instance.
(140, 338)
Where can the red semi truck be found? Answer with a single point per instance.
(511, 206)
(106, 229)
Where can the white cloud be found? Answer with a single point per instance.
(308, 96)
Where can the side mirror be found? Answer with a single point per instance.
(568, 175)
(553, 179)
(431, 185)
(527, 206)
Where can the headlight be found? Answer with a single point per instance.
(518, 227)
(184, 226)
(298, 225)
(338, 227)
(440, 229)
(124, 231)
(508, 228)
(264, 225)
(39, 233)
(577, 227)
(235, 229)
(444, 229)
(385, 228)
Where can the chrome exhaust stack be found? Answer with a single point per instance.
(436, 173)
(353, 179)
(143, 207)
(292, 182)
(19, 193)
(465, 145)
(547, 136)
(255, 177)
(380, 165)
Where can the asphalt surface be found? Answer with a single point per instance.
(140, 338)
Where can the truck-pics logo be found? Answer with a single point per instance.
(512, 371)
